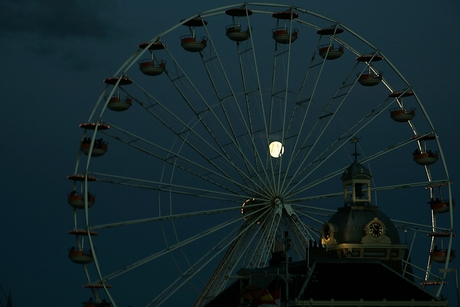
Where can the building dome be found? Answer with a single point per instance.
(359, 230)
(356, 171)
(350, 223)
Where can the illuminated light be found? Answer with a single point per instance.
(276, 149)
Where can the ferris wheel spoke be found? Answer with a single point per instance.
(180, 244)
(239, 246)
(317, 163)
(296, 201)
(164, 218)
(258, 162)
(312, 216)
(196, 141)
(409, 185)
(252, 163)
(343, 92)
(329, 113)
(196, 267)
(423, 228)
(326, 113)
(117, 73)
(299, 102)
(298, 136)
(173, 158)
(280, 85)
(170, 249)
(364, 160)
(375, 189)
(392, 148)
(223, 135)
(253, 129)
(303, 232)
(266, 240)
(317, 209)
(170, 187)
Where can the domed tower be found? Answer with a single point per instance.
(359, 230)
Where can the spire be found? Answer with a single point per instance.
(355, 140)
(356, 181)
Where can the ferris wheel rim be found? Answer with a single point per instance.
(121, 73)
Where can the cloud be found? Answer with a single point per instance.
(59, 19)
(68, 30)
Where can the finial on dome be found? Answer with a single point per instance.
(355, 140)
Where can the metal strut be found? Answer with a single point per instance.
(219, 279)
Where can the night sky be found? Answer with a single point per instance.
(55, 56)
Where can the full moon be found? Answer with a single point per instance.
(276, 149)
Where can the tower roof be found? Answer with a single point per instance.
(356, 171)
(358, 282)
(351, 221)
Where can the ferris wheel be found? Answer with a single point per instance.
(221, 134)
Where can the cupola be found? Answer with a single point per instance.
(359, 230)
(356, 183)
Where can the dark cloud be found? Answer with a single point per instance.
(59, 19)
(70, 30)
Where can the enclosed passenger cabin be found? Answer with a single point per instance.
(189, 42)
(80, 257)
(440, 206)
(441, 256)
(78, 201)
(235, 31)
(422, 155)
(282, 34)
(425, 158)
(117, 104)
(328, 52)
(99, 147)
(402, 115)
(95, 287)
(369, 79)
(152, 67)
(438, 203)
